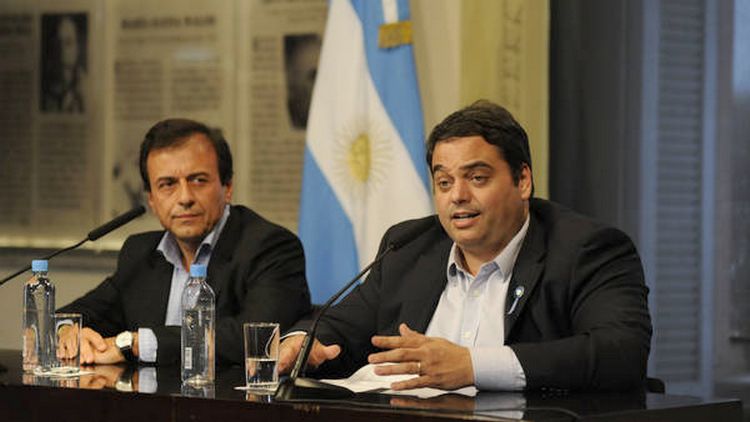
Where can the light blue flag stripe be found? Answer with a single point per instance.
(394, 75)
(403, 10)
(322, 220)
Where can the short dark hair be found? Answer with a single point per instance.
(173, 132)
(493, 123)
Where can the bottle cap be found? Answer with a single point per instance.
(197, 270)
(38, 265)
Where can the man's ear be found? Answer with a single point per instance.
(228, 189)
(525, 181)
(150, 200)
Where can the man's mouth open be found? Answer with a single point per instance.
(464, 218)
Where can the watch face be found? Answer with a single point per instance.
(124, 339)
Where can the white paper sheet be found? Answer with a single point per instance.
(366, 380)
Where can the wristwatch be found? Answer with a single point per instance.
(124, 342)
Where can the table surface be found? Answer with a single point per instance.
(96, 397)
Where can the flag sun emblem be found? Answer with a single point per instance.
(358, 157)
(363, 152)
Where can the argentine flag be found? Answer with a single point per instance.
(364, 159)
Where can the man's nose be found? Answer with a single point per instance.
(460, 192)
(185, 194)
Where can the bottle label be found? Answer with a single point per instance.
(188, 358)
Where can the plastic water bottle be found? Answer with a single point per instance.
(38, 312)
(198, 340)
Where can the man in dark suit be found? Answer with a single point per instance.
(256, 268)
(502, 291)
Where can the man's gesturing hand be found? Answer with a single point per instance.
(438, 362)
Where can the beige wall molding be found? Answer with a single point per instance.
(492, 49)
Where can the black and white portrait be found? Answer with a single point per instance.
(64, 62)
(301, 53)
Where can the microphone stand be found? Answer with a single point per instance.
(298, 388)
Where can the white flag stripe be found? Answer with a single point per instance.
(345, 104)
(390, 11)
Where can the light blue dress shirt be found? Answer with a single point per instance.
(147, 343)
(471, 313)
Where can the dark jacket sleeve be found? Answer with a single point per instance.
(101, 307)
(608, 326)
(273, 288)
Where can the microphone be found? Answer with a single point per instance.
(95, 234)
(116, 223)
(296, 387)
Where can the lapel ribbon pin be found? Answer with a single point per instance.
(517, 294)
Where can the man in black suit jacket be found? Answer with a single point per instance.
(510, 292)
(256, 268)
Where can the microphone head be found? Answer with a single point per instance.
(137, 211)
(116, 222)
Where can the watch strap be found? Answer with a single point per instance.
(127, 352)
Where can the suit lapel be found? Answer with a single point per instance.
(157, 285)
(526, 272)
(223, 250)
(426, 282)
